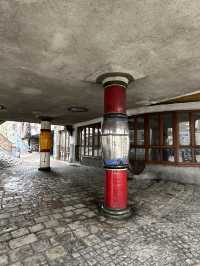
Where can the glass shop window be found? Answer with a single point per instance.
(82, 137)
(132, 154)
(154, 131)
(168, 129)
(99, 145)
(136, 154)
(140, 130)
(184, 129)
(197, 128)
(90, 151)
(82, 151)
(185, 155)
(89, 141)
(168, 155)
(96, 136)
(197, 155)
(154, 154)
(86, 136)
(90, 136)
(140, 154)
(95, 151)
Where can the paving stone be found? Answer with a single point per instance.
(8, 229)
(81, 232)
(36, 228)
(37, 260)
(5, 237)
(90, 214)
(61, 230)
(51, 223)
(57, 216)
(42, 219)
(56, 252)
(21, 241)
(4, 247)
(3, 222)
(3, 260)
(41, 245)
(69, 208)
(19, 232)
(45, 233)
(20, 254)
(51, 219)
(4, 215)
(68, 214)
(16, 264)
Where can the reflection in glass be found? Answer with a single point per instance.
(154, 154)
(82, 151)
(95, 136)
(184, 129)
(82, 136)
(154, 132)
(140, 130)
(99, 137)
(100, 152)
(86, 136)
(131, 155)
(185, 155)
(90, 136)
(136, 154)
(197, 155)
(168, 129)
(168, 155)
(197, 128)
(95, 151)
(90, 151)
(140, 154)
(131, 129)
(86, 150)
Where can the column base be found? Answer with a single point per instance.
(118, 214)
(47, 169)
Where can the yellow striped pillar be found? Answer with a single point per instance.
(45, 145)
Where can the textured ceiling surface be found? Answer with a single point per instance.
(51, 52)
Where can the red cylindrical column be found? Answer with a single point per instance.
(116, 188)
(115, 146)
(115, 99)
(115, 179)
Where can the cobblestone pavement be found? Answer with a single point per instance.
(52, 219)
(6, 160)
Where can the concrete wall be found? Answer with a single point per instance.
(190, 175)
(92, 161)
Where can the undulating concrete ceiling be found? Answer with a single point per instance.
(51, 52)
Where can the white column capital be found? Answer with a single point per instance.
(45, 125)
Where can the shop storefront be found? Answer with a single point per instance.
(163, 145)
(167, 138)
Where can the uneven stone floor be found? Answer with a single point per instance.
(52, 219)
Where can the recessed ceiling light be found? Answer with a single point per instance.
(77, 109)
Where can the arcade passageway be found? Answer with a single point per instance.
(51, 218)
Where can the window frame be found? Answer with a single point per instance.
(176, 145)
(85, 143)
